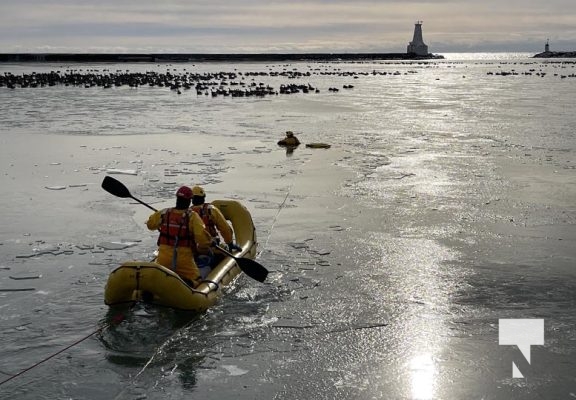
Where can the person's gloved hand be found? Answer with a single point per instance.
(232, 247)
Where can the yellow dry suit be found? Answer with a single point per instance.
(181, 234)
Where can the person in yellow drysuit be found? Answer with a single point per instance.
(182, 233)
(215, 223)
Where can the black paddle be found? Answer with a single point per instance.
(117, 188)
(250, 267)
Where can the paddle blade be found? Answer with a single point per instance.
(115, 187)
(253, 269)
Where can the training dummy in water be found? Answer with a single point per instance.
(289, 140)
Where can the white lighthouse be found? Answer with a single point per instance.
(417, 46)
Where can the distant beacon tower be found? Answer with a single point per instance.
(417, 46)
(547, 46)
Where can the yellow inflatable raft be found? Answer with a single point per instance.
(136, 281)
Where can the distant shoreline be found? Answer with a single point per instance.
(256, 57)
(556, 54)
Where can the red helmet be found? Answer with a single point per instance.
(184, 192)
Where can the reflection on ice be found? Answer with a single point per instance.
(415, 282)
(422, 376)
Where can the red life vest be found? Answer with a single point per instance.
(175, 229)
(204, 212)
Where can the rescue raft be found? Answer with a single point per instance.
(149, 282)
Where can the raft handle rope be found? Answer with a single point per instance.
(116, 320)
(210, 282)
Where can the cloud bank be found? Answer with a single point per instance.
(248, 26)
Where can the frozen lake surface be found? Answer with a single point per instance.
(446, 202)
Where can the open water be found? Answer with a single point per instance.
(446, 203)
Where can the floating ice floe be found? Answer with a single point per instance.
(41, 253)
(42, 247)
(298, 245)
(25, 277)
(234, 370)
(55, 187)
(122, 171)
(21, 328)
(191, 162)
(142, 313)
(321, 252)
(116, 245)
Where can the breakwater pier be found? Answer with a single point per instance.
(182, 57)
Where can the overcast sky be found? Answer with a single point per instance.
(243, 26)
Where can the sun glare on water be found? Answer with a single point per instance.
(422, 376)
